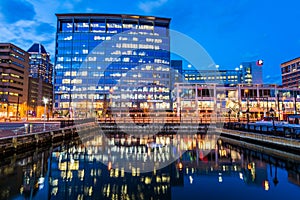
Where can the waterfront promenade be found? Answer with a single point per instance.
(18, 136)
(20, 128)
(13, 134)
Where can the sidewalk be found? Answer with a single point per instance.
(7, 129)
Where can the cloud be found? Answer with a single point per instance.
(24, 33)
(15, 10)
(44, 28)
(148, 6)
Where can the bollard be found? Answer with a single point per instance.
(15, 142)
(30, 128)
(26, 128)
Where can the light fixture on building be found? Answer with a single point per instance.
(259, 62)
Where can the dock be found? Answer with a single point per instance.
(280, 139)
(18, 143)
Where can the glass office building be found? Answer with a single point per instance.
(107, 61)
(251, 72)
(40, 81)
(40, 63)
(225, 77)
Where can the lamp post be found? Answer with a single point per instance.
(111, 91)
(278, 108)
(283, 107)
(247, 113)
(272, 115)
(45, 100)
(17, 113)
(180, 113)
(229, 112)
(295, 102)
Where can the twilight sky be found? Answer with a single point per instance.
(231, 31)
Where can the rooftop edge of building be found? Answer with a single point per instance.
(37, 48)
(128, 16)
(15, 46)
(289, 61)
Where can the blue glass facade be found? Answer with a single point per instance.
(40, 64)
(251, 73)
(116, 61)
(224, 77)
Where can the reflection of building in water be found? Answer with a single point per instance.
(79, 173)
(25, 177)
(253, 170)
(10, 181)
(34, 171)
(294, 177)
(76, 173)
(83, 167)
(225, 161)
(256, 175)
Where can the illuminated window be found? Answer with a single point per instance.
(65, 81)
(126, 59)
(85, 51)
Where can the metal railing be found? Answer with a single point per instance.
(281, 130)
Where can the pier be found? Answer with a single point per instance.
(20, 142)
(277, 137)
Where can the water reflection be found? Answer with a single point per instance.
(23, 174)
(211, 166)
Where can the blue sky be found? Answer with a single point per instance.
(231, 31)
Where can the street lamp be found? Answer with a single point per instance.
(229, 112)
(283, 107)
(295, 102)
(111, 91)
(180, 113)
(272, 115)
(45, 100)
(247, 113)
(278, 107)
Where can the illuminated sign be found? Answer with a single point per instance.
(259, 62)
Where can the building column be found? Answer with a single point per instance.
(196, 100)
(215, 102)
(178, 100)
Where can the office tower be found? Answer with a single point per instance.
(252, 72)
(40, 63)
(176, 73)
(221, 77)
(14, 66)
(290, 72)
(40, 81)
(105, 61)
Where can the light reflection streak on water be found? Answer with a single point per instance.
(77, 171)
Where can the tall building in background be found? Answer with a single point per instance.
(290, 73)
(40, 81)
(224, 77)
(176, 72)
(247, 73)
(252, 72)
(40, 63)
(105, 61)
(14, 71)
